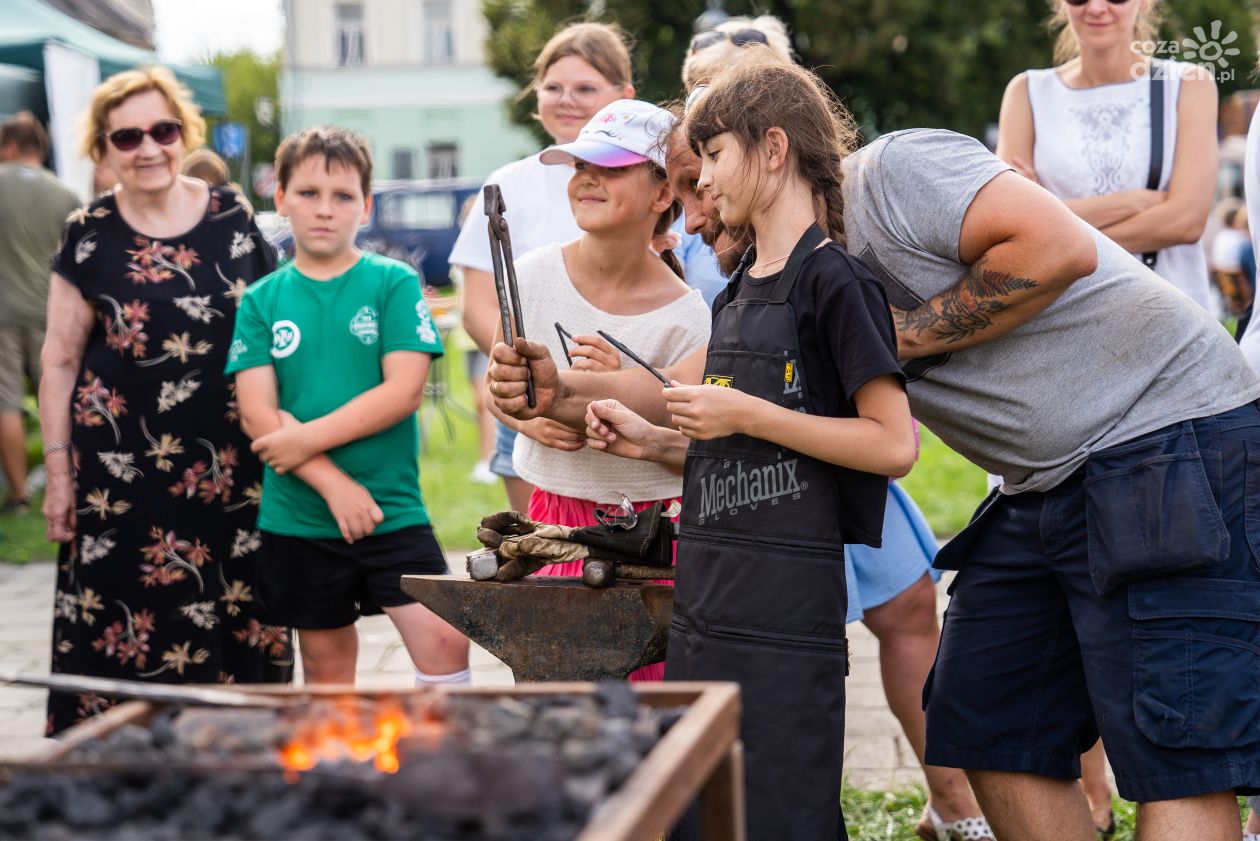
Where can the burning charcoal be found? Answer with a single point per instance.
(278, 816)
(475, 785)
(587, 789)
(617, 698)
(503, 720)
(162, 729)
(202, 813)
(227, 733)
(128, 739)
(88, 809)
(669, 717)
(557, 723)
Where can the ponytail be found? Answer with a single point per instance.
(666, 221)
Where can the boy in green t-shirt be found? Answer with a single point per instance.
(330, 354)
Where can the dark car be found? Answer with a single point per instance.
(412, 221)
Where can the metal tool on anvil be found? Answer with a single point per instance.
(625, 544)
(159, 692)
(555, 628)
(505, 274)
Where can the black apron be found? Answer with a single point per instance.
(760, 593)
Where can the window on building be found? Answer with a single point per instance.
(350, 35)
(439, 32)
(443, 160)
(432, 211)
(404, 162)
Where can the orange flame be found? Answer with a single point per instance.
(347, 733)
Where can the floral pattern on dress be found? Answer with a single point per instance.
(158, 583)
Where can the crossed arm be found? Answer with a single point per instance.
(288, 445)
(1139, 220)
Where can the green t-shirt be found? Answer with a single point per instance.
(325, 339)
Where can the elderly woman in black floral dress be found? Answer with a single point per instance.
(152, 488)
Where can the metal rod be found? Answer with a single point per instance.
(160, 692)
(628, 352)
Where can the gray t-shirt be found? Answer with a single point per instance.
(33, 210)
(1119, 354)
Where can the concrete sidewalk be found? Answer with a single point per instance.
(877, 754)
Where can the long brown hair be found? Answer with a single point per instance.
(760, 91)
(1067, 47)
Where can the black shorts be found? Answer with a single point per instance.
(322, 583)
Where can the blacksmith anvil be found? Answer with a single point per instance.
(554, 628)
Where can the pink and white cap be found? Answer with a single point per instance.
(622, 133)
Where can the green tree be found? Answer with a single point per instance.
(895, 63)
(247, 78)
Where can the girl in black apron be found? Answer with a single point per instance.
(801, 418)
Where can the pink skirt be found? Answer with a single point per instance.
(546, 507)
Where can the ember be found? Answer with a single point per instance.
(351, 731)
(413, 766)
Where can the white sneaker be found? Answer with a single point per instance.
(481, 474)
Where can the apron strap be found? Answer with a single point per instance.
(804, 247)
(783, 289)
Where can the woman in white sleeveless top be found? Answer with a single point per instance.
(1082, 129)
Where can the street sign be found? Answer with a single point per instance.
(229, 139)
(264, 180)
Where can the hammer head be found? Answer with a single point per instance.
(493, 200)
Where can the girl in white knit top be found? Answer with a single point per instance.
(608, 279)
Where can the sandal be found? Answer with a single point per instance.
(932, 828)
(1251, 836)
(17, 505)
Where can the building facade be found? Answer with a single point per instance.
(408, 74)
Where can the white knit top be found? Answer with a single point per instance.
(663, 337)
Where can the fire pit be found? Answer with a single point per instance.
(564, 761)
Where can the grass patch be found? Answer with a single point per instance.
(448, 451)
(22, 536)
(946, 486)
(892, 815)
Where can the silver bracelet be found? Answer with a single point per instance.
(56, 447)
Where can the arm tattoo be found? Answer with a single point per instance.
(965, 308)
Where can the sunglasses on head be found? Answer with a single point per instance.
(1083, 2)
(697, 94)
(739, 39)
(163, 132)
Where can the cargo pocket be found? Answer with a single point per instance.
(1150, 512)
(1196, 662)
(1251, 519)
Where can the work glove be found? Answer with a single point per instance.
(523, 546)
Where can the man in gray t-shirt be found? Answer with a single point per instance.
(1118, 354)
(33, 210)
(1112, 588)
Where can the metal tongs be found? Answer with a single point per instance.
(505, 275)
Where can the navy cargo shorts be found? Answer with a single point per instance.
(1123, 603)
